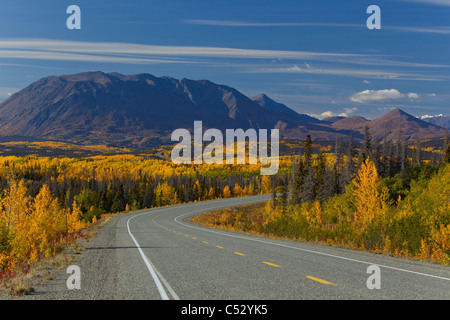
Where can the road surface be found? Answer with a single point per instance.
(158, 254)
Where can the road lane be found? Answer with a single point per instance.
(159, 254)
(239, 270)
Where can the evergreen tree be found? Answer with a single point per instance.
(320, 176)
(367, 148)
(309, 186)
(351, 166)
(308, 152)
(298, 182)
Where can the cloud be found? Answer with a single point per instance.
(436, 29)
(432, 2)
(413, 95)
(327, 114)
(376, 95)
(120, 51)
(381, 95)
(231, 23)
(349, 72)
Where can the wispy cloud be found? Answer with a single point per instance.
(432, 29)
(445, 3)
(143, 51)
(349, 72)
(332, 63)
(231, 23)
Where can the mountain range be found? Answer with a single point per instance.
(143, 110)
(438, 120)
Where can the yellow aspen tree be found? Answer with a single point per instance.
(198, 190)
(73, 219)
(226, 192)
(370, 195)
(165, 195)
(266, 185)
(212, 193)
(47, 224)
(237, 190)
(16, 211)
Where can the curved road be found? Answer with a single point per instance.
(159, 254)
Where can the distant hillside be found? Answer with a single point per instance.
(141, 111)
(410, 127)
(439, 120)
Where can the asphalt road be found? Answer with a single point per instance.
(158, 254)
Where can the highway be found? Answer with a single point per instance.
(158, 254)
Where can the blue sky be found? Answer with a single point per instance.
(317, 57)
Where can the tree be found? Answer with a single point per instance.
(237, 190)
(211, 193)
(351, 166)
(370, 194)
(266, 185)
(308, 152)
(367, 149)
(226, 192)
(320, 176)
(447, 148)
(165, 195)
(299, 178)
(308, 193)
(15, 223)
(48, 225)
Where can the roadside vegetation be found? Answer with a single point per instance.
(386, 197)
(385, 202)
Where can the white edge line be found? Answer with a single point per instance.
(300, 249)
(150, 267)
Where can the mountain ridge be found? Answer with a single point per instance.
(142, 110)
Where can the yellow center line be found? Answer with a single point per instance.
(271, 264)
(321, 280)
(194, 238)
(220, 247)
(205, 241)
(241, 254)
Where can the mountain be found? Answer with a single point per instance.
(139, 110)
(142, 110)
(332, 119)
(409, 126)
(269, 104)
(389, 125)
(350, 123)
(438, 120)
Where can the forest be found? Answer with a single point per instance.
(46, 201)
(375, 196)
(383, 198)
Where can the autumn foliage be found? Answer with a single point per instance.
(31, 228)
(45, 201)
(363, 217)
